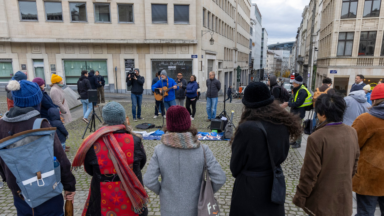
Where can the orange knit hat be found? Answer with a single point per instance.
(56, 79)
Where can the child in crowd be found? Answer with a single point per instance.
(54, 120)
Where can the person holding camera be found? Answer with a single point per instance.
(83, 85)
(136, 81)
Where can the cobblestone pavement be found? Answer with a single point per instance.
(221, 151)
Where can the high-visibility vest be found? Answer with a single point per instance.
(308, 100)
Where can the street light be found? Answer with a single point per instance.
(203, 32)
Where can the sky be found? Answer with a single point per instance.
(281, 18)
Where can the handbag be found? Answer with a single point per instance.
(307, 125)
(207, 204)
(278, 185)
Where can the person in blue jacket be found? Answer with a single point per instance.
(368, 92)
(54, 120)
(165, 81)
(191, 93)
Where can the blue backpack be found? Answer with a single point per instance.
(29, 156)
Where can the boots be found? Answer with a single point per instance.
(296, 145)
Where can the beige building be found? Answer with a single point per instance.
(114, 36)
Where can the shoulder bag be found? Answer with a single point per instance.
(278, 185)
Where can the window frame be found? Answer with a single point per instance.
(349, 8)
(118, 13)
(94, 12)
(374, 46)
(21, 18)
(46, 15)
(86, 12)
(152, 14)
(371, 9)
(189, 14)
(345, 40)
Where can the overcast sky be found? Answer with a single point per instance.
(281, 18)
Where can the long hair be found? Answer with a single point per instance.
(377, 102)
(272, 113)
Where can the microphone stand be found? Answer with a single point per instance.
(163, 105)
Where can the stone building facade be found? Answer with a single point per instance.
(114, 36)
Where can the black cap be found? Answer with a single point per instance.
(257, 95)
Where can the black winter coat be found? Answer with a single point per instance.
(251, 195)
(54, 120)
(83, 85)
(46, 104)
(213, 88)
(276, 92)
(295, 109)
(92, 80)
(180, 93)
(98, 80)
(92, 167)
(137, 85)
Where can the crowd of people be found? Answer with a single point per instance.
(344, 152)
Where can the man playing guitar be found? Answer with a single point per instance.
(165, 88)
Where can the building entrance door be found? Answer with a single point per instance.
(38, 66)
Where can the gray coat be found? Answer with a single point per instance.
(213, 88)
(181, 172)
(356, 105)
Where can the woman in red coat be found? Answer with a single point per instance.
(114, 156)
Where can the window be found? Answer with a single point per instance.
(204, 23)
(372, 8)
(125, 13)
(159, 13)
(209, 19)
(367, 43)
(102, 13)
(53, 11)
(382, 48)
(78, 11)
(181, 14)
(349, 9)
(28, 10)
(344, 47)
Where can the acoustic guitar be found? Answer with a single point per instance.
(163, 92)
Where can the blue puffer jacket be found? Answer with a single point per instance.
(191, 91)
(46, 104)
(369, 97)
(54, 120)
(171, 83)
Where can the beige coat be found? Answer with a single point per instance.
(57, 96)
(325, 187)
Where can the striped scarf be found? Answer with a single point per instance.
(180, 140)
(132, 186)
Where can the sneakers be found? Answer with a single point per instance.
(192, 119)
(155, 117)
(135, 120)
(208, 120)
(85, 120)
(165, 116)
(140, 118)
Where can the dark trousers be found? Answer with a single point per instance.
(366, 205)
(229, 98)
(53, 206)
(191, 101)
(100, 95)
(161, 105)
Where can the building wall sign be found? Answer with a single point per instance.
(194, 56)
(333, 72)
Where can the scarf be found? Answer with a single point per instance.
(132, 186)
(180, 140)
(377, 111)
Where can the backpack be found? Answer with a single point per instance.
(317, 94)
(145, 126)
(284, 95)
(29, 156)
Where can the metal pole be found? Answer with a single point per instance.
(310, 58)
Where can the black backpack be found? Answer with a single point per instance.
(145, 126)
(284, 95)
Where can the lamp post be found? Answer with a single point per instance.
(203, 32)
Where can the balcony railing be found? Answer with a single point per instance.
(300, 60)
(348, 61)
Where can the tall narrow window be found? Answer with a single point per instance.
(78, 11)
(209, 20)
(382, 48)
(345, 45)
(372, 8)
(125, 13)
(349, 9)
(28, 10)
(102, 13)
(159, 13)
(53, 11)
(367, 43)
(204, 20)
(181, 14)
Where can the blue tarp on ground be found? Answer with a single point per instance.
(201, 135)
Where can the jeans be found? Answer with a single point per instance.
(159, 107)
(87, 108)
(63, 144)
(211, 107)
(180, 102)
(168, 104)
(51, 207)
(136, 101)
(366, 205)
(314, 120)
(191, 101)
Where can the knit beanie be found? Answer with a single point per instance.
(25, 93)
(113, 113)
(163, 72)
(39, 81)
(356, 88)
(56, 79)
(298, 80)
(178, 119)
(367, 88)
(19, 76)
(378, 92)
(257, 95)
